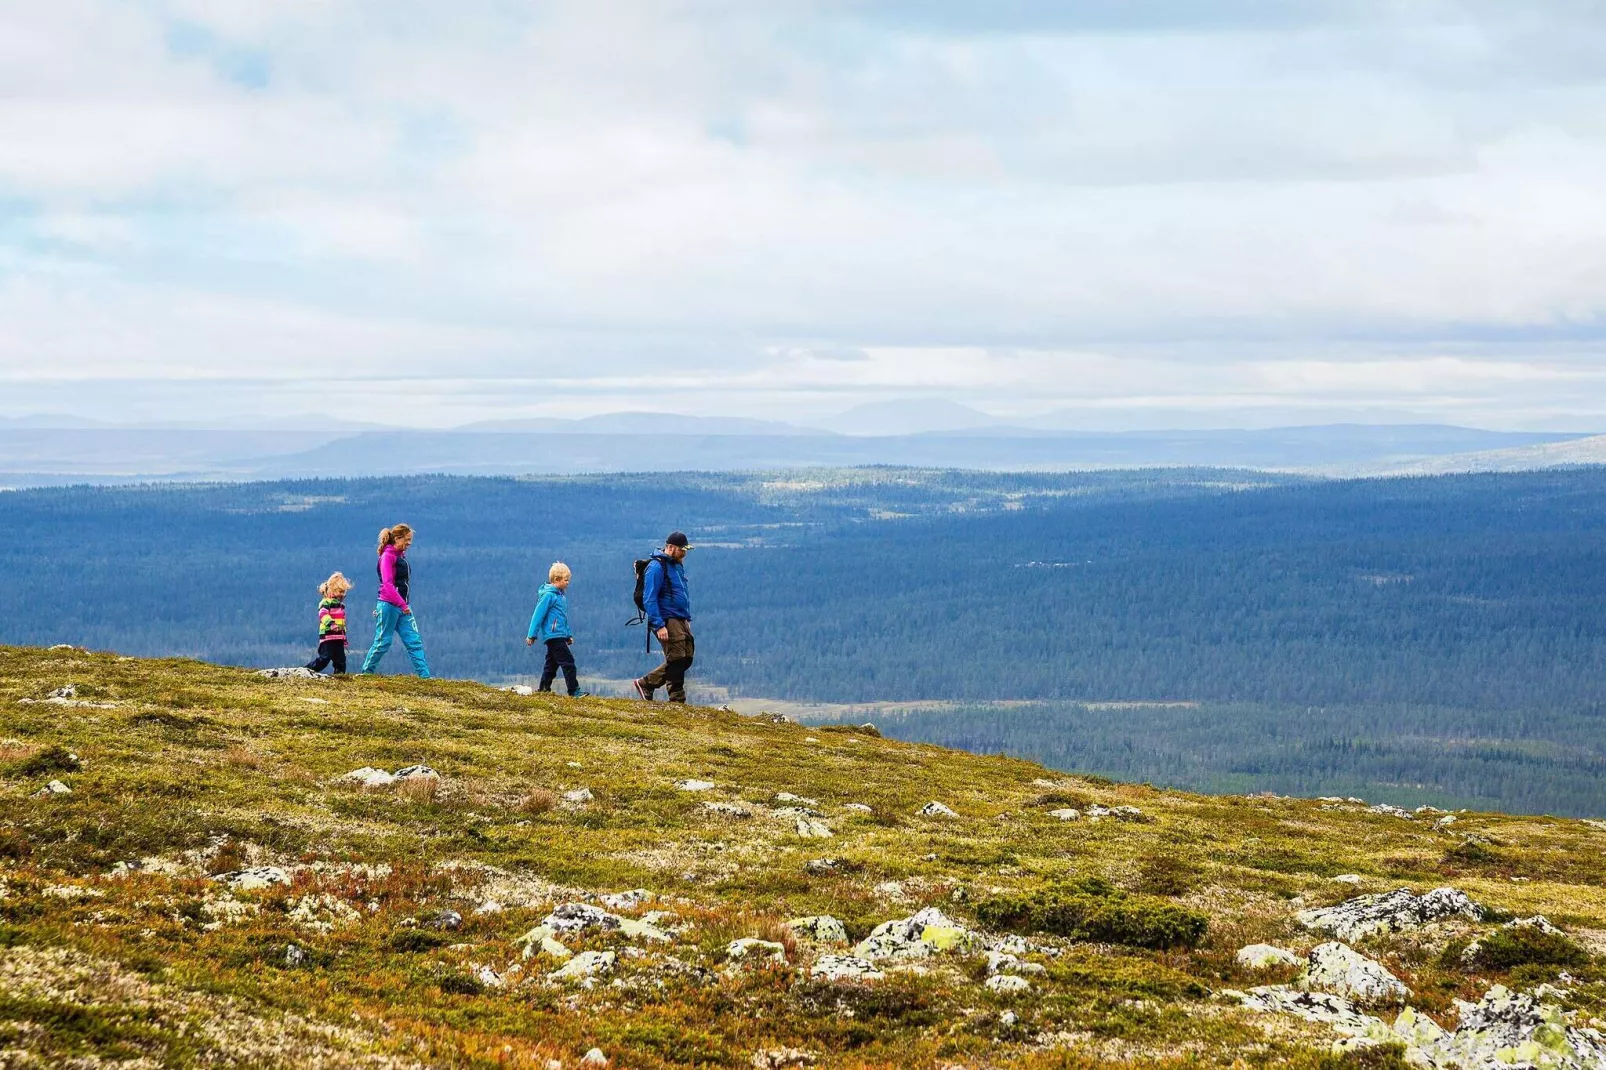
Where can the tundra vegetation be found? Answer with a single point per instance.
(191, 875)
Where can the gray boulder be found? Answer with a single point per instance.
(1389, 912)
(585, 964)
(924, 933)
(844, 968)
(936, 809)
(1264, 956)
(821, 928)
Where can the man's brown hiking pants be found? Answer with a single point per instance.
(679, 650)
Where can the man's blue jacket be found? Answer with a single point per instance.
(663, 592)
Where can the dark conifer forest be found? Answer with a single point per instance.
(1422, 640)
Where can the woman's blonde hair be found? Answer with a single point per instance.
(335, 586)
(558, 571)
(392, 535)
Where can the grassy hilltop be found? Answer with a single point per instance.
(143, 921)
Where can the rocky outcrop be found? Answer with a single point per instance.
(750, 950)
(289, 672)
(821, 928)
(1389, 912)
(918, 936)
(586, 964)
(257, 877)
(844, 968)
(1343, 971)
(936, 809)
(580, 917)
(366, 777)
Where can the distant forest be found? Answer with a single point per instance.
(1451, 608)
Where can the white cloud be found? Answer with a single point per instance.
(716, 201)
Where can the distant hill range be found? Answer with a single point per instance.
(946, 435)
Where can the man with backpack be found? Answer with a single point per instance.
(667, 607)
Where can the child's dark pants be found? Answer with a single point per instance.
(330, 650)
(559, 656)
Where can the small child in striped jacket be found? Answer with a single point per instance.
(332, 625)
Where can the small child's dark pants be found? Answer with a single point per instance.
(559, 656)
(330, 650)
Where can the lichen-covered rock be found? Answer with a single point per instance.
(446, 920)
(1321, 1007)
(367, 777)
(1343, 971)
(844, 968)
(1066, 814)
(579, 796)
(750, 949)
(416, 772)
(1264, 956)
(811, 829)
(780, 1058)
(524, 690)
(541, 938)
(55, 787)
(578, 917)
(694, 785)
(786, 798)
(936, 809)
(859, 808)
(1389, 912)
(594, 1057)
(585, 964)
(821, 928)
(289, 672)
(1007, 983)
(1507, 1029)
(822, 867)
(257, 877)
(629, 900)
(925, 933)
(725, 809)
(1118, 813)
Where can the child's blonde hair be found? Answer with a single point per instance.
(335, 586)
(558, 571)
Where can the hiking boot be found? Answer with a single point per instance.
(579, 694)
(642, 690)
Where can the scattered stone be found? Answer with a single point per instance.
(585, 964)
(579, 796)
(810, 829)
(367, 777)
(859, 808)
(779, 1058)
(1001, 961)
(446, 920)
(68, 646)
(1007, 984)
(322, 913)
(1444, 822)
(1427, 810)
(594, 1057)
(936, 809)
(1391, 811)
(55, 787)
(750, 948)
(416, 772)
(822, 928)
(255, 878)
(490, 906)
(1066, 814)
(891, 890)
(521, 689)
(630, 900)
(488, 977)
(294, 956)
(1041, 783)
(694, 785)
(788, 797)
(1347, 878)
(296, 672)
(792, 813)
(918, 936)
(1343, 971)
(822, 867)
(1264, 956)
(724, 809)
(1389, 912)
(1119, 813)
(66, 696)
(844, 968)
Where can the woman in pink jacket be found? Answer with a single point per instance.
(394, 615)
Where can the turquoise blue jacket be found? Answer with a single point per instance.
(551, 618)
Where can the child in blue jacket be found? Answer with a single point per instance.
(550, 625)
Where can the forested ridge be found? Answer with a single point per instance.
(1334, 632)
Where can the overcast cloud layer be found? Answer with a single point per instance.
(1152, 214)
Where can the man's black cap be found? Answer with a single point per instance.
(677, 538)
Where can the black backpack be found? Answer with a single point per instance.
(641, 605)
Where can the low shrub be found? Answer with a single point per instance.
(411, 941)
(538, 801)
(53, 759)
(1094, 911)
(1166, 874)
(1527, 945)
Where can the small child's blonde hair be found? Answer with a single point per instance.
(335, 586)
(558, 571)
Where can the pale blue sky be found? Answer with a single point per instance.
(1167, 214)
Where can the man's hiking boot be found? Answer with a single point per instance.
(641, 689)
(579, 694)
